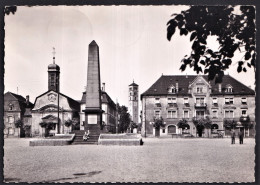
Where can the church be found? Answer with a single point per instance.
(53, 111)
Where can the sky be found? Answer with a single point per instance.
(132, 46)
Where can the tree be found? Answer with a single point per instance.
(233, 31)
(183, 123)
(158, 122)
(202, 123)
(230, 123)
(10, 9)
(68, 123)
(18, 124)
(124, 120)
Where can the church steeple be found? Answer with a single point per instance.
(54, 75)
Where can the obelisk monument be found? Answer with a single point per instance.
(93, 110)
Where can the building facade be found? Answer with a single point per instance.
(109, 112)
(133, 102)
(191, 97)
(53, 107)
(16, 108)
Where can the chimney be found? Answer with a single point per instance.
(219, 87)
(27, 100)
(177, 86)
(103, 87)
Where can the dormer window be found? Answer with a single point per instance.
(171, 89)
(229, 88)
(11, 106)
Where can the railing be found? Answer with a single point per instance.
(200, 105)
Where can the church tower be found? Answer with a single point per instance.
(54, 75)
(133, 102)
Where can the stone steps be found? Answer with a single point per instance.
(78, 140)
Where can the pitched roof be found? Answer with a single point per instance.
(105, 99)
(75, 105)
(160, 87)
(18, 97)
(133, 84)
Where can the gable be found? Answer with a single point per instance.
(50, 99)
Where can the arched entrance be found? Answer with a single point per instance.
(172, 129)
(214, 126)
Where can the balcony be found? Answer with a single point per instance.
(200, 105)
(244, 118)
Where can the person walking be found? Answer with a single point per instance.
(233, 135)
(241, 137)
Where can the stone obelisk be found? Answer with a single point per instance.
(93, 110)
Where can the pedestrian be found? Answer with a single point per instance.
(241, 138)
(233, 137)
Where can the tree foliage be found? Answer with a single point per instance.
(202, 122)
(158, 122)
(18, 123)
(68, 123)
(234, 32)
(230, 123)
(124, 120)
(10, 9)
(183, 123)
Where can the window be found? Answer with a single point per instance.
(214, 114)
(11, 106)
(199, 89)
(186, 114)
(244, 101)
(130, 88)
(163, 130)
(199, 100)
(172, 114)
(52, 79)
(244, 113)
(171, 100)
(157, 100)
(172, 89)
(200, 114)
(157, 114)
(135, 88)
(229, 101)
(10, 119)
(215, 100)
(229, 114)
(186, 100)
(229, 89)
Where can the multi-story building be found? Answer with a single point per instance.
(16, 108)
(190, 97)
(133, 102)
(109, 111)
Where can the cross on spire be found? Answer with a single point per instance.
(53, 52)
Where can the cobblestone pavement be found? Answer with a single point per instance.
(158, 160)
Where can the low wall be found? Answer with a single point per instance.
(58, 140)
(120, 139)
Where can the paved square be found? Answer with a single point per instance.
(158, 160)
